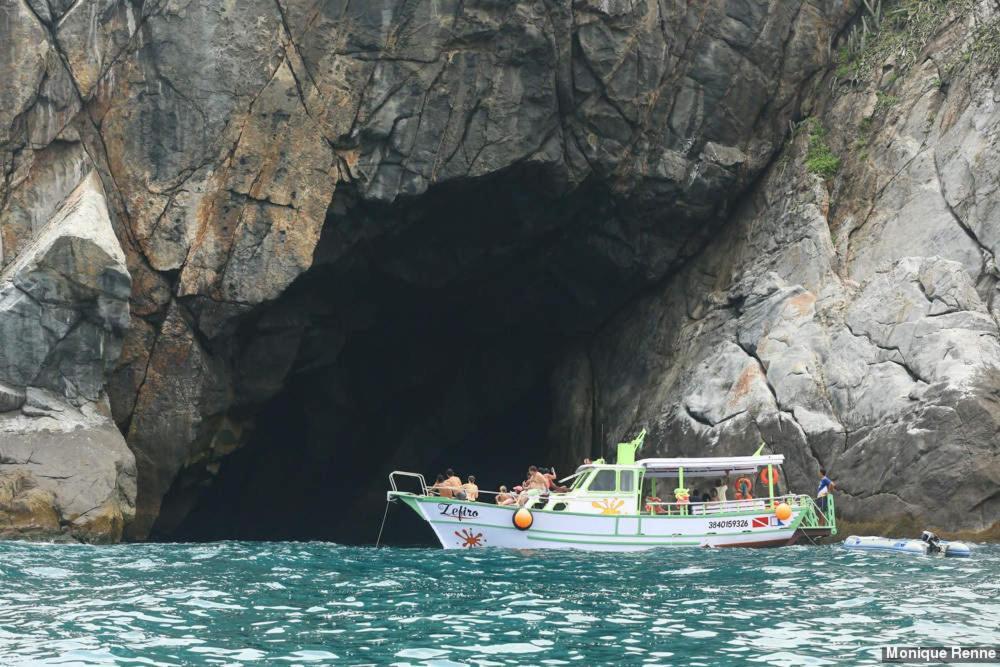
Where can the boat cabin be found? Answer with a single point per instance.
(667, 485)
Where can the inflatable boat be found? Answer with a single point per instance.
(927, 545)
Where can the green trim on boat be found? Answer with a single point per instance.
(627, 450)
(534, 531)
(513, 508)
(614, 542)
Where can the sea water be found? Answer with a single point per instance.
(241, 603)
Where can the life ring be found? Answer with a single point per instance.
(764, 476)
(747, 485)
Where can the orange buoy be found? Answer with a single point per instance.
(763, 476)
(523, 519)
(783, 512)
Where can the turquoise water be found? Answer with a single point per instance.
(234, 603)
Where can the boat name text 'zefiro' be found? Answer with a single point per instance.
(457, 511)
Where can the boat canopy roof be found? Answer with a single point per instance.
(698, 467)
(720, 466)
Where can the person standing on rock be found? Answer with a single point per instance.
(826, 485)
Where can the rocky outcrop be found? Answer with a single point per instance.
(226, 151)
(64, 467)
(847, 319)
(430, 209)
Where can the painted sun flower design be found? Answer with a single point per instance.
(609, 506)
(467, 539)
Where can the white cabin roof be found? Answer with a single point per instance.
(721, 465)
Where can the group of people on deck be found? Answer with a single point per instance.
(542, 481)
(716, 493)
(742, 490)
(449, 485)
(538, 482)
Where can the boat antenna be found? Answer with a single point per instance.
(761, 448)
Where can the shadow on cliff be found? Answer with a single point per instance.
(425, 336)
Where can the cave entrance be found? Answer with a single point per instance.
(424, 337)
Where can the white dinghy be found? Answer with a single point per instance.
(927, 545)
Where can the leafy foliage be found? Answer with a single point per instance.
(820, 159)
(893, 29)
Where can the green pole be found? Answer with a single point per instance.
(680, 483)
(770, 482)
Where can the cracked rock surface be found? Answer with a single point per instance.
(279, 173)
(64, 467)
(849, 322)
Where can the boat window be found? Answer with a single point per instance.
(604, 480)
(627, 481)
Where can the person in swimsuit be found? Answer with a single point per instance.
(504, 498)
(452, 480)
(533, 486)
(439, 488)
(470, 488)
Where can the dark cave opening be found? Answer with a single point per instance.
(425, 336)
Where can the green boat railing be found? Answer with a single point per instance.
(814, 517)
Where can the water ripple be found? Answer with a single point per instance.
(235, 603)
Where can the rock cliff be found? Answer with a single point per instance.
(64, 467)
(370, 236)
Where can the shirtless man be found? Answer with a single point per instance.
(439, 488)
(535, 480)
(470, 488)
(534, 485)
(453, 484)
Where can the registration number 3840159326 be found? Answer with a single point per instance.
(730, 523)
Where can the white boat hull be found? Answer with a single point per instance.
(464, 525)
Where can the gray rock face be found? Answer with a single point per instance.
(63, 313)
(64, 303)
(851, 323)
(228, 150)
(292, 146)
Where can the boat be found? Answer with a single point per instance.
(616, 507)
(927, 545)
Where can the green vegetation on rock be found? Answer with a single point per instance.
(893, 31)
(820, 159)
(985, 47)
(884, 102)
